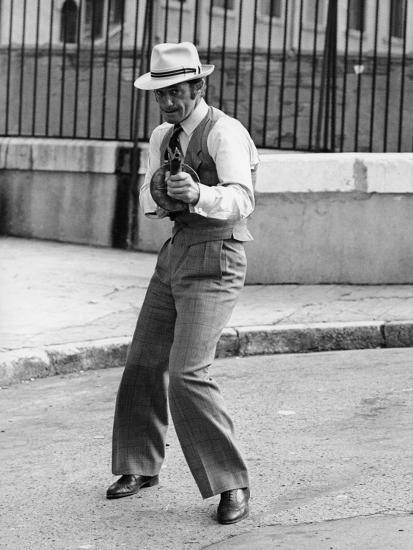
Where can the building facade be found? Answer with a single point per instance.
(293, 22)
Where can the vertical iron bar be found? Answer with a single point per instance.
(196, 39)
(134, 192)
(386, 110)
(297, 78)
(334, 79)
(403, 68)
(76, 96)
(22, 53)
(165, 30)
(166, 25)
(49, 67)
(313, 73)
(344, 95)
(359, 75)
(9, 54)
(62, 83)
(267, 75)
(165, 39)
(322, 83)
(142, 64)
(211, 8)
(149, 22)
(181, 16)
(135, 47)
(120, 67)
(91, 66)
(223, 54)
(327, 79)
(105, 71)
(36, 60)
(238, 58)
(252, 74)
(373, 81)
(280, 116)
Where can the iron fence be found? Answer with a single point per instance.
(311, 75)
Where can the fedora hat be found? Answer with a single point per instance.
(171, 64)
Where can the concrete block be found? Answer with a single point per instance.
(23, 364)
(49, 205)
(307, 338)
(228, 344)
(100, 354)
(60, 155)
(19, 154)
(303, 172)
(398, 334)
(315, 238)
(388, 172)
(335, 172)
(75, 156)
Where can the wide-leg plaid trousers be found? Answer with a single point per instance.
(188, 302)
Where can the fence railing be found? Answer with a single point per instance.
(312, 75)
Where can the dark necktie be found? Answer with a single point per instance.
(174, 141)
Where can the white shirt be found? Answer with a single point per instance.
(234, 153)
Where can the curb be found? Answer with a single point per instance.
(30, 363)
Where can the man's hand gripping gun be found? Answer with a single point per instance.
(158, 185)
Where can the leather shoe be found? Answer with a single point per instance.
(233, 506)
(128, 485)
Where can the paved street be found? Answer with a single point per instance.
(327, 436)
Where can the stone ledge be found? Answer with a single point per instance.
(59, 155)
(398, 334)
(228, 344)
(278, 172)
(307, 338)
(28, 364)
(335, 172)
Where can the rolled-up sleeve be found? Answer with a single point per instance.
(236, 159)
(147, 204)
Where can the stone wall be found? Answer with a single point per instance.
(319, 218)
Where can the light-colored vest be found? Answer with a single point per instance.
(199, 228)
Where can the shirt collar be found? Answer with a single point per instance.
(198, 114)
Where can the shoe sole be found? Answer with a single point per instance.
(150, 483)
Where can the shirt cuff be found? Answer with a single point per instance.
(206, 200)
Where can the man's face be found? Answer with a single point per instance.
(177, 102)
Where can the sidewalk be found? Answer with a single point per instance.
(66, 308)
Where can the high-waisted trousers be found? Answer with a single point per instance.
(188, 302)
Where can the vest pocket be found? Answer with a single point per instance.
(204, 260)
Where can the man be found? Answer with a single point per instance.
(198, 276)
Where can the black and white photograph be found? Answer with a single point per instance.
(206, 274)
